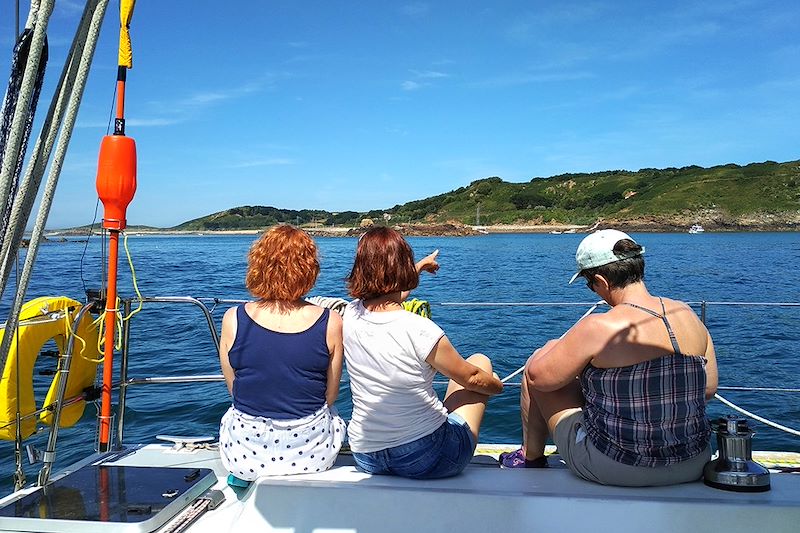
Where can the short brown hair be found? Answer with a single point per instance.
(282, 264)
(623, 272)
(384, 264)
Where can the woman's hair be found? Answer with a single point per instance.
(384, 264)
(282, 264)
(623, 272)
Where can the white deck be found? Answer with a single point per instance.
(484, 498)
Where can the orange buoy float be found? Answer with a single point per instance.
(116, 179)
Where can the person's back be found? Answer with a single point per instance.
(399, 425)
(631, 336)
(391, 383)
(645, 395)
(282, 360)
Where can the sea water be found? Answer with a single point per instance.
(757, 346)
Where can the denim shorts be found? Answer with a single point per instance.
(443, 453)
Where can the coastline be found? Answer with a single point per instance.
(454, 229)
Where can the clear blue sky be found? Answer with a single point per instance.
(364, 105)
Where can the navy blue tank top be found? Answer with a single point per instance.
(279, 375)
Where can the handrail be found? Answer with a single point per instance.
(124, 381)
(198, 378)
(64, 365)
(585, 304)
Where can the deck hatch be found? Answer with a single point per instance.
(108, 498)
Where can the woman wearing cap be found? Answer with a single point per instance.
(623, 393)
(399, 426)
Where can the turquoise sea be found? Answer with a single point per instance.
(757, 346)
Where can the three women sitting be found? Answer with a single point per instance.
(622, 393)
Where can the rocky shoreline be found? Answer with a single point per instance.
(712, 222)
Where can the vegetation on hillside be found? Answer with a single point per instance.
(732, 191)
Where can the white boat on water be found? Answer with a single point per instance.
(696, 228)
(181, 485)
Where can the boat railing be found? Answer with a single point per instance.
(207, 306)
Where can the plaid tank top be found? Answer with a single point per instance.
(649, 414)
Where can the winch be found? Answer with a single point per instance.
(734, 468)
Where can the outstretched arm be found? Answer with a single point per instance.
(426, 264)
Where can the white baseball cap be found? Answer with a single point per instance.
(597, 249)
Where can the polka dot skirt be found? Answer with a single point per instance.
(252, 446)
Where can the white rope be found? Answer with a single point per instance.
(514, 373)
(758, 389)
(32, 13)
(30, 183)
(86, 37)
(12, 148)
(756, 417)
(336, 304)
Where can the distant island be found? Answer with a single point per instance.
(755, 197)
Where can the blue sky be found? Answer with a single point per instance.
(364, 105)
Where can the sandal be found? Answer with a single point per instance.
(517, 459)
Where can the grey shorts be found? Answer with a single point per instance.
(591, 464)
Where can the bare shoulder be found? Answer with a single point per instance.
(677, 309)
(678, 305)
(229, 318)
(335, 319)
(593, 330)
(598, 323)
(229, 324)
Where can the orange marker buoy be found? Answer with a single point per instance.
(116, 178)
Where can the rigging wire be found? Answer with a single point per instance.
(109, 122)
(86, 244)
(19, 473)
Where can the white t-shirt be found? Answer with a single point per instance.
(393, 398)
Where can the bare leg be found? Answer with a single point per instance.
(534, 427)
(552, 406)
(469, 405)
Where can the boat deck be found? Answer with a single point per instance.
(483, 498)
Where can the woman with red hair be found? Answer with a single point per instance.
(282, 361)
(399, 426)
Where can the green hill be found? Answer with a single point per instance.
(757, 196)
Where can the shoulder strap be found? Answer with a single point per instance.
(663, 317)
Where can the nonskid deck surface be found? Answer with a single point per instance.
(483, 498)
